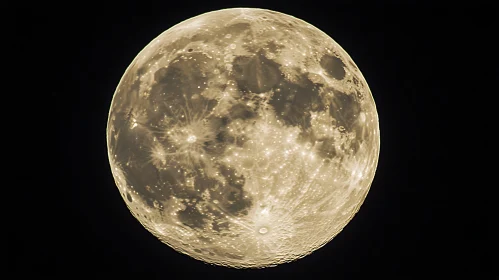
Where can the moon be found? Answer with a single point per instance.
(243, 137)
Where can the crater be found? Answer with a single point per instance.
(333, 66)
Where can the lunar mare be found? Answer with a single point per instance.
(243, 137)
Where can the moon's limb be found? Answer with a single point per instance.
(243, 137)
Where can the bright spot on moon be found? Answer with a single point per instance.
(191, 139)
(243, 138)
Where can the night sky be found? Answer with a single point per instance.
(79, 224)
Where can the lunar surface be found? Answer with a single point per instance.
(243, 137)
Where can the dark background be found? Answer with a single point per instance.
(406, 229)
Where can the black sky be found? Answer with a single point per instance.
(404, 230)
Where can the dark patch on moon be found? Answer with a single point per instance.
(224, 137)
(129, 197)
(293, 102)
(216, 146)
(333, 66)
(183, 77)
(306, 136)
(230, 195)
(238, 28)
(345, 109)
(220, 226)
(165, 72)
(241, 111)
(139, 178)
(326, 148)
(256, 73)
(234, 200)
(191, 217)
(273, 47)
(355, 145)
(170, 180)
(203, 183)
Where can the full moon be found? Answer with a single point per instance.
(243, 137)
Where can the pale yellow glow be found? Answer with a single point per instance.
(243, 138)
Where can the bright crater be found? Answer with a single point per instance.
(243, 138)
